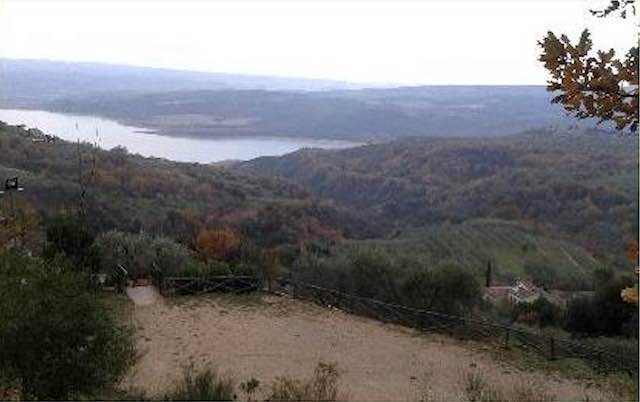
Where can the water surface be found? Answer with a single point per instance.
(108, 134)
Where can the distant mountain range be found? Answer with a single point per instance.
(185, 103)
(27, 81)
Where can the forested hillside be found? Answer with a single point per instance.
(117, 190)
(522, 202)
(581, 186)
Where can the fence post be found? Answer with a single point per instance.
(552, 348)
(506, 338)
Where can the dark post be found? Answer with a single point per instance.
(488, 274)
(552, 348)
(506, 338)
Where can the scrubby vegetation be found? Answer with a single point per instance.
(58, 339)
(605, 313)
(477, 388)
(390, 277)
(205, 385)
(323, 385)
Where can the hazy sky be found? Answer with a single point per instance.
(400, 41)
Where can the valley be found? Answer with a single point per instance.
(266, 200)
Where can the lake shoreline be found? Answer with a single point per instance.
(143, 127)
(149, 142)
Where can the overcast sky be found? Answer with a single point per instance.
(399, 41)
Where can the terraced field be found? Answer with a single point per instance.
(511, 246)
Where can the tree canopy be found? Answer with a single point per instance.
(594, 84)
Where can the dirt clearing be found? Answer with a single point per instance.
(268, 336)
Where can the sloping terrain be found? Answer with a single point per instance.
(264, 337)
(577, 184)
(515, 250)
(129, 192)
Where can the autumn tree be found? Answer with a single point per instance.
(20, 228)
(272, 267)
(630, 294)
(218, 244)
(589, 85)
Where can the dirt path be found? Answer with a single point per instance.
(143, 295)
(274, 336)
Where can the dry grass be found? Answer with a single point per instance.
(477, 388)
(322, 386)
(205, 385)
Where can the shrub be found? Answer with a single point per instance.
(322, 386)
(478, 389)
(219, 244)
(57, 338)
(141, 254)
(249, 388)
(203, 386)
(526, 391)
(541, 312)
(393, 278)
(71, 236)
(456, 289)
(606, 313)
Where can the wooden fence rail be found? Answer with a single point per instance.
(197, 285)
(602, 358)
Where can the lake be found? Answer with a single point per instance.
(108, 134)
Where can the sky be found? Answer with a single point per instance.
(409, 42)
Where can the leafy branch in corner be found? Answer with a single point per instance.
(589, 85)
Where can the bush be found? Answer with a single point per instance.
(478, 389)
(393, 278)
(448, 288)
(605, 313)
(204, 386)
(142, 255)
(57, 338)
(541, 312)
(70, 236)
(322, 386)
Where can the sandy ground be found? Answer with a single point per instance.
(268, 336)
(143, 295)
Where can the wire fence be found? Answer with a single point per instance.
(199, 285)
(602, 357)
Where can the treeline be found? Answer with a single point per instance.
(393, 278)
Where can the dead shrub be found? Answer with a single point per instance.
(322, 386)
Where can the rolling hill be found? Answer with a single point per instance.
(578, 185)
